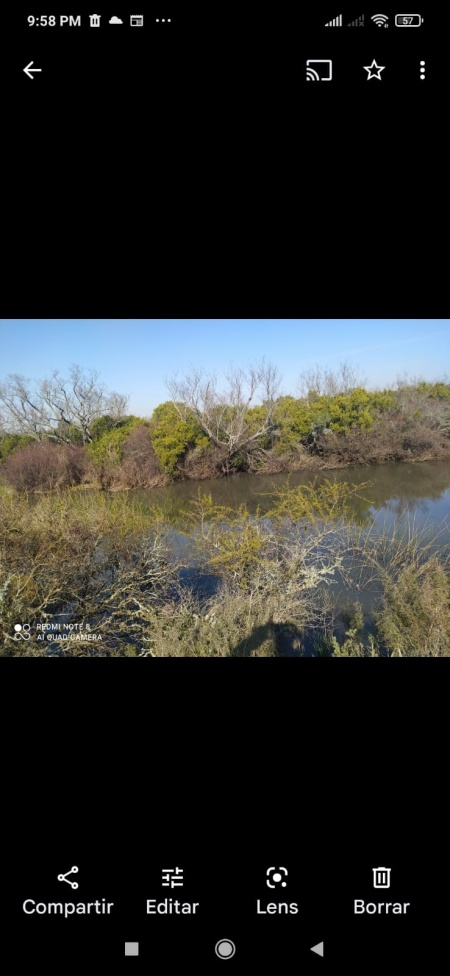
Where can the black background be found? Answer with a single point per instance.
(209, 180)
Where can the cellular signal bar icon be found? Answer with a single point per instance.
(359, 22)
(337, 22)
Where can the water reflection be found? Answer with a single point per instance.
(421, 490)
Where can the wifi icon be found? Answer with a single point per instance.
(380, 20)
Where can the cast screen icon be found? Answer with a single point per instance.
(319, 70)
(408, 20)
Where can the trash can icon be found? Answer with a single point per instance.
(381, 877)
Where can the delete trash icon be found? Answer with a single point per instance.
(381, 877)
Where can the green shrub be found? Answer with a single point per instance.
(105, 424)
(13, 442)
(415, 618)
(434, 390)
(108, 446)
(173, 437)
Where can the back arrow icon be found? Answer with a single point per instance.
(29, 69)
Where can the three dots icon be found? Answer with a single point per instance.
(422, 70)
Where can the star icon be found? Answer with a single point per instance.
(374, 70)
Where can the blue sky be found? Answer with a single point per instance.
(135, 356)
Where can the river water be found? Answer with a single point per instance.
(398, 497)
(420, 491)
(391, 498)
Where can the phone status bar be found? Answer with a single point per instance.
(236, 20)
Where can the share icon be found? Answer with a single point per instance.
(64, 877)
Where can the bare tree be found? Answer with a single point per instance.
(224, 416)
(321, 381)
(116, 406)
(23, 410)
(55, 407)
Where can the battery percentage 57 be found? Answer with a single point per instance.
(408, 20)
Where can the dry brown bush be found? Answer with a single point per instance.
(140, 467)
(45, 466)
(201, 463)
(391, 439)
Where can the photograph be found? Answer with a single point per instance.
(225, 488)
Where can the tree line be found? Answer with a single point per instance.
(69, 430)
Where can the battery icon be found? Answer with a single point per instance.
(408, 20)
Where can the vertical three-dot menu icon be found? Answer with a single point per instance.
(422, 70)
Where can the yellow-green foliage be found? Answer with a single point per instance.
(328, 501)
(86, 551)
(292, 421)
(296, 421)
(105, 424)
(415, 619)
(172, 436)
(230, 541)
(249, 548)
(435, 390)
(108, 447)
(355, 409)
(111, 561)
(13, 442)
(255, 419)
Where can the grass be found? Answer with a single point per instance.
(109, 562)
